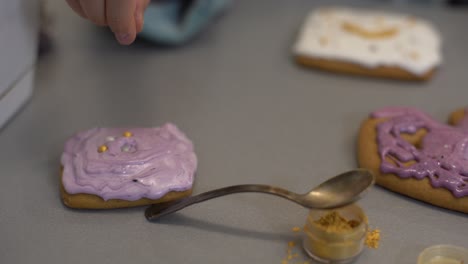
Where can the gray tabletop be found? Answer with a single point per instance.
(254, 116)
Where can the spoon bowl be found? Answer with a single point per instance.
(339, 191)
(336, 192)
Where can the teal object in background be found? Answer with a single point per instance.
(164, 23)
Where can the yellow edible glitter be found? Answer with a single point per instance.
(373, 238)
(127, 134)
(102, 148)
(296, 229)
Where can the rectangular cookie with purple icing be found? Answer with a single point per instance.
(106, 168)
(368, 43)
(415, 155)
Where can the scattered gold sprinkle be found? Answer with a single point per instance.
(296, 229)
(102, 148)
(292, 254)
(373, 238)
(127, 134)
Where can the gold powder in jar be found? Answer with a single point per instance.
(335, 235)
(334, 222)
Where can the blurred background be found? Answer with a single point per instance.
(228, 80)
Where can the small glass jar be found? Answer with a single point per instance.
(335, 246)
(443, 254)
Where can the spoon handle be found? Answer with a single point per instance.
(162, 209)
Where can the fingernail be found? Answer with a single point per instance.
(122, 37)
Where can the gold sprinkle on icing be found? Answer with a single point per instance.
(102, 148)
(127, 134)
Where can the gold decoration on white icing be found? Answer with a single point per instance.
(371, 34)
(370, 39)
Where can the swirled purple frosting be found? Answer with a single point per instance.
(443, 156)
(128, 164)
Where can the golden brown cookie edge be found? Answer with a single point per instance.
(91, 201)
(356, 69)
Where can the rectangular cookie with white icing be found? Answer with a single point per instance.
(369, 43)
(106, 168)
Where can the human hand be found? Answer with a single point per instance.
(123, 17)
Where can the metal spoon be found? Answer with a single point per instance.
(335, 192)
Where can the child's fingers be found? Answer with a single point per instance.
(95, 11)
(76, 6)
(120, 16)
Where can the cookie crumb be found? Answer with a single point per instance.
(291, 244)
(284, 261)
(373, 238)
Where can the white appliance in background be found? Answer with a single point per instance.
(19, 35)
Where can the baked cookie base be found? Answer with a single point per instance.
(355, 69)
(91, 201)
(422, 190)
